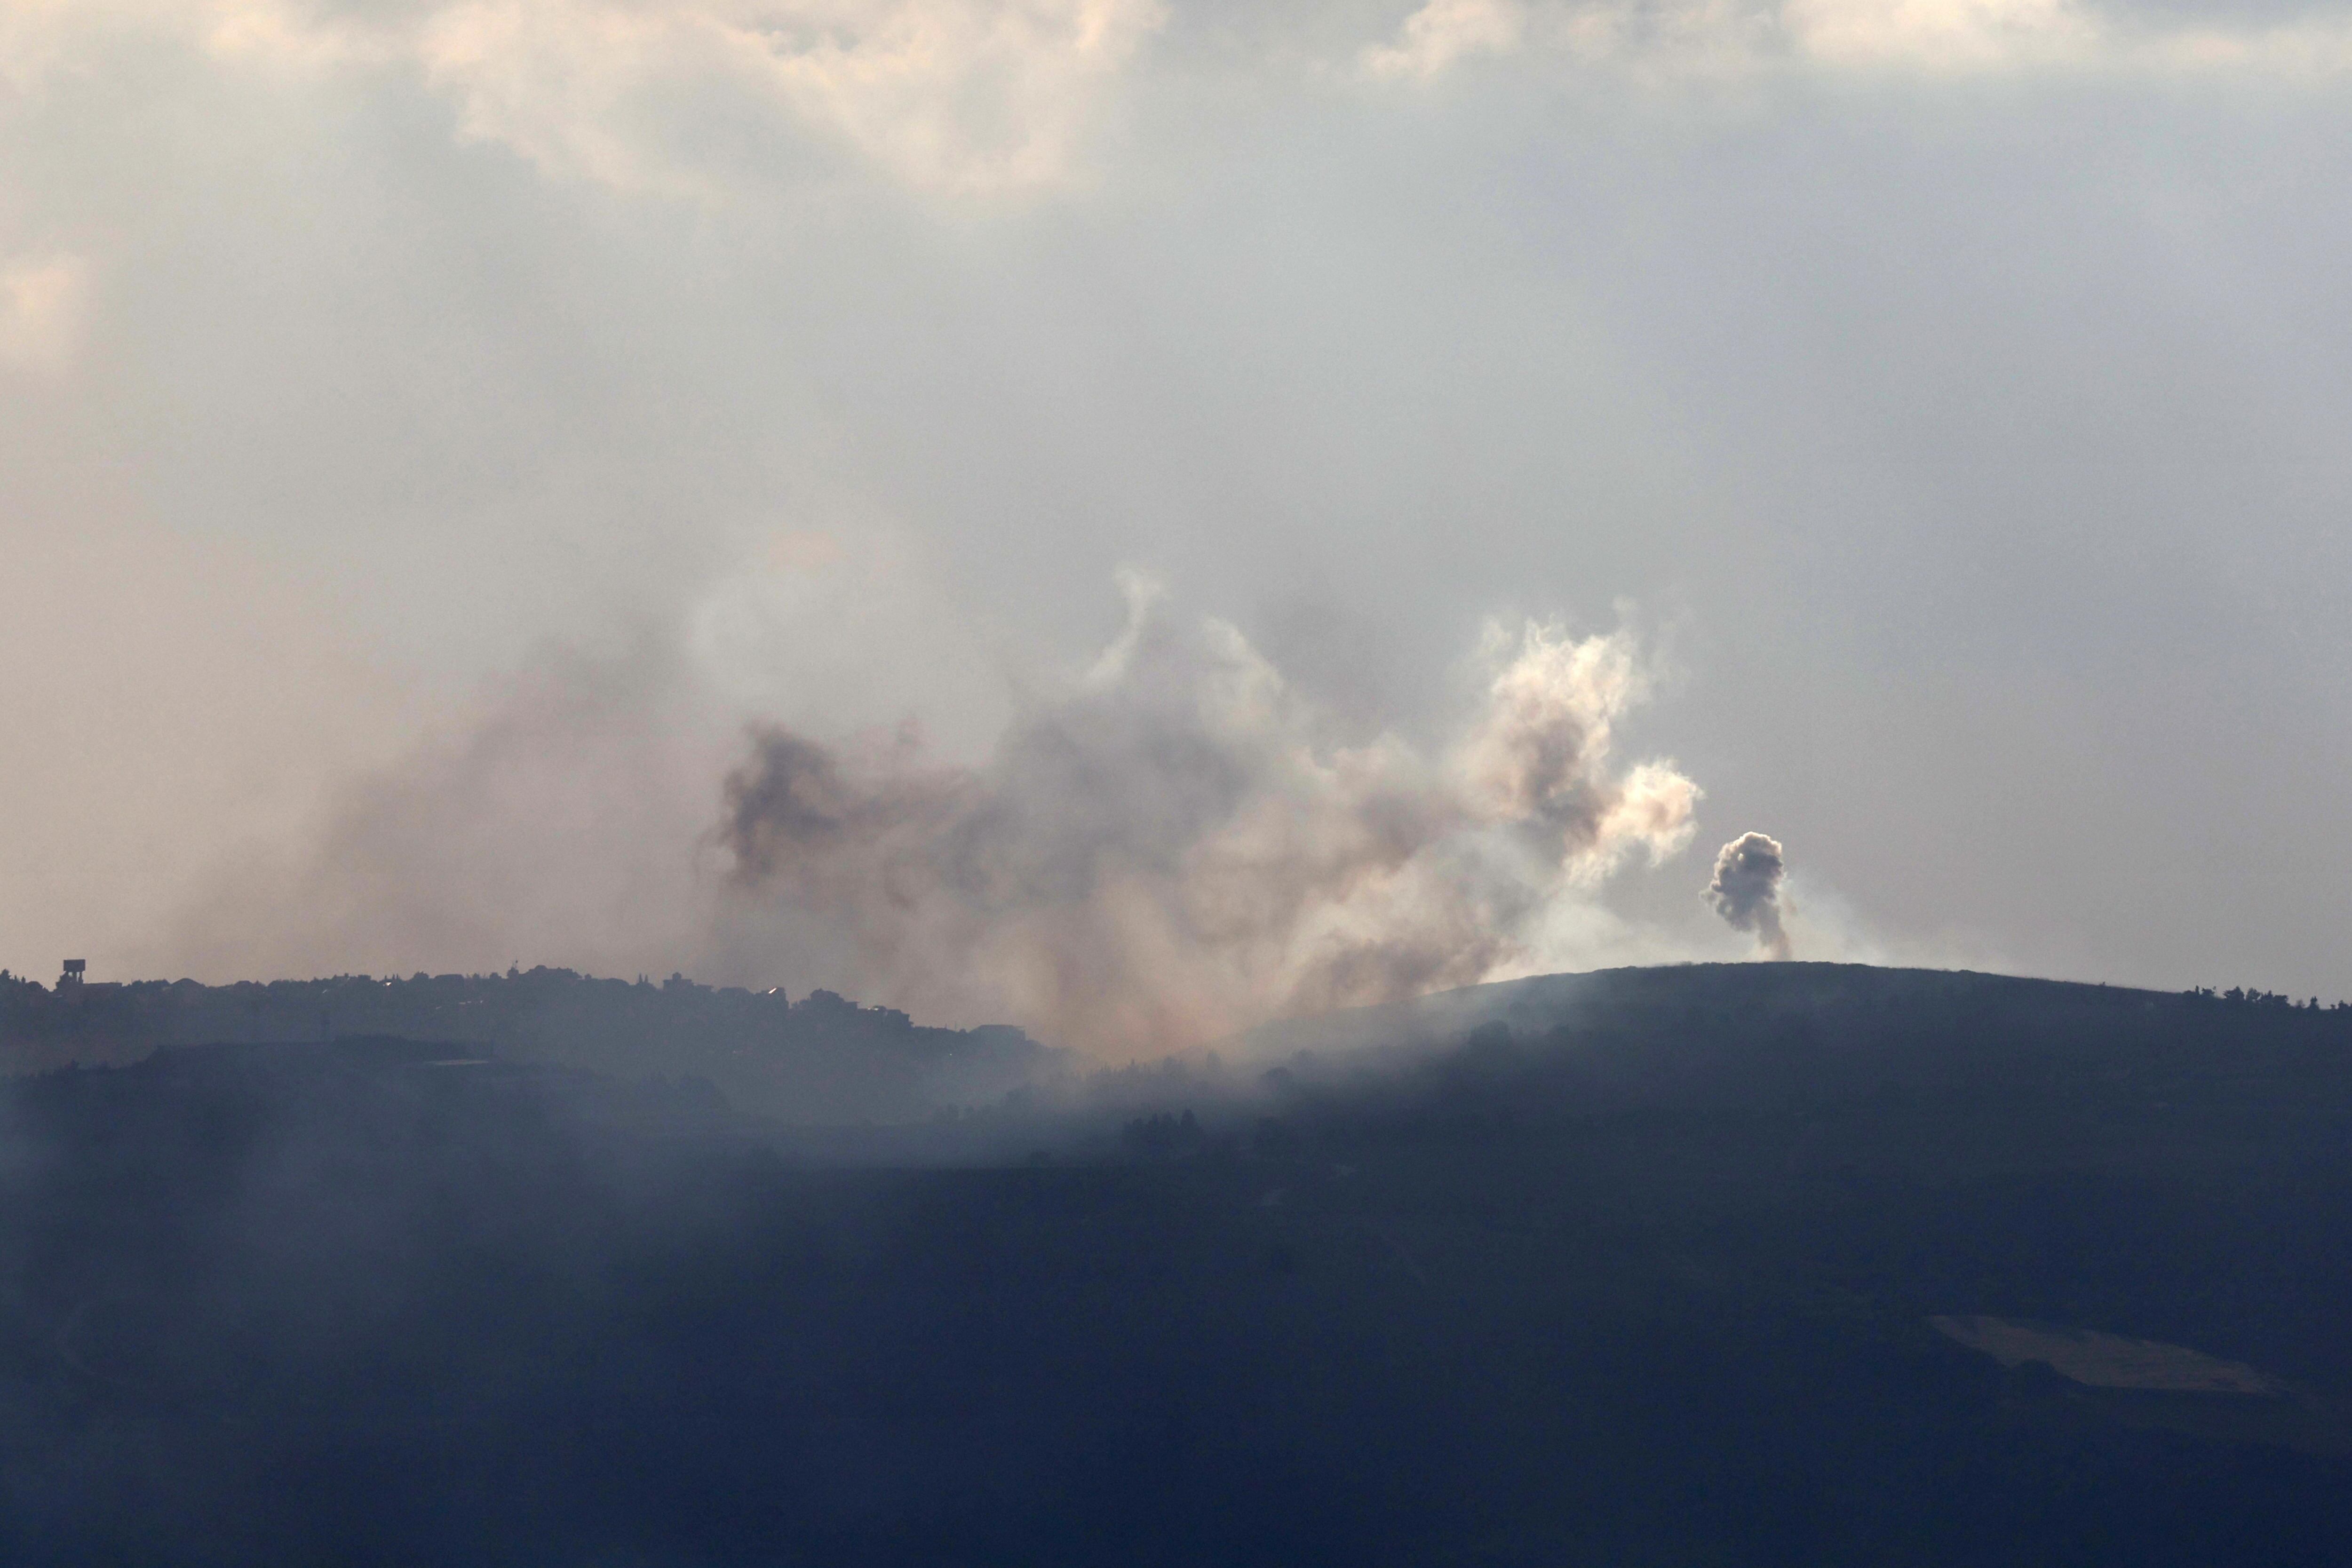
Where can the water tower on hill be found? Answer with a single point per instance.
(72, 976)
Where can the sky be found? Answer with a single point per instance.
(442, 443)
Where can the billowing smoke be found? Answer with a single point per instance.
(1746, 890)
(1177, 846)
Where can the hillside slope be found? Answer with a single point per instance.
(1748, 1266)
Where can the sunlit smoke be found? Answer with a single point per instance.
(1746, 890)
(1173, 847)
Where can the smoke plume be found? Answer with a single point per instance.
(1746, 890)
(1175, 845)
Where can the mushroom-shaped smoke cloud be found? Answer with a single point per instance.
(1746, 890)
(1176, 846)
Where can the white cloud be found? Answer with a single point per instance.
(958, 95)
(1940, 34)
(954, 94)
(42, 304)
(1444, 31)
(1943, 37)
(2311, 48)
(40, 37)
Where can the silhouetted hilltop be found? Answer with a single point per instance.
(1792, 1036)
(1729, 999)
(819, 1060)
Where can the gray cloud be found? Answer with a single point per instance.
(1746, 889)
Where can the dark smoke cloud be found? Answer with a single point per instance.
(1175, 847)
(1746, 890)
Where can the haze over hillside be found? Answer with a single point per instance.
(820, 1058)
(1768, 1264)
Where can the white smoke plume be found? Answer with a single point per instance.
(1746, 889)
(1175, 847)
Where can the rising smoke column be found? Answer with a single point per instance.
(1746, 890)
(1173, 847)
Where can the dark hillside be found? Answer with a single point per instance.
(1812, 1033)
(1645, 1268)
(1797, 1036)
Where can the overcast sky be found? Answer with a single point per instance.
(430, 430)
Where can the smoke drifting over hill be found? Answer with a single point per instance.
(1144, 852)
(1175, 847)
